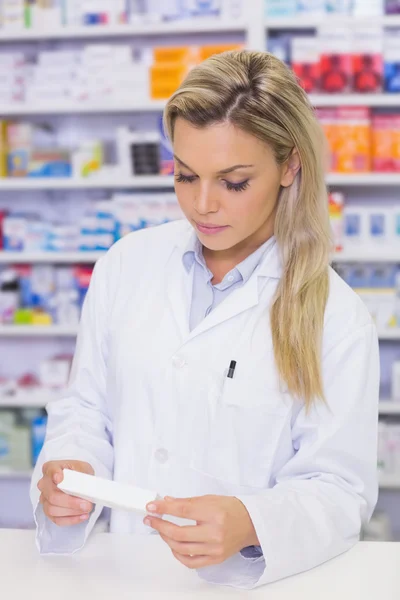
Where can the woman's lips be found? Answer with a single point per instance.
(211, 229)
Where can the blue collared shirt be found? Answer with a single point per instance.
(205, 295)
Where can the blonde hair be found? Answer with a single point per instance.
(257, 93)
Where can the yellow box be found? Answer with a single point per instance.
(3, 148)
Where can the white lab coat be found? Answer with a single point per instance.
(150, 404)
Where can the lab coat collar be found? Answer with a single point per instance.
(270, 265)
(180, 284)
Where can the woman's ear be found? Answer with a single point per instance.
(290, 168)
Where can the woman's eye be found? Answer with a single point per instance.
(237, 187)
(180, 178)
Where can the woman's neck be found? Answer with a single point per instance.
(220, 262)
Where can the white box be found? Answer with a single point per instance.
(106, 493)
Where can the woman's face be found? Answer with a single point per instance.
(227, 184)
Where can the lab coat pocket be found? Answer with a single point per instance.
(246, 420)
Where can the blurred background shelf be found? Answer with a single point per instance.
(50, 257)
(378, 100)
(312, 22)
(387, 482)
(182, 27)
(6, 474)
(347, 256)
(29, 399)
(37, 331)
(114, 181)
(55, 108)
(389, 407)
(364, 179)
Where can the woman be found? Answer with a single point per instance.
(220, 360)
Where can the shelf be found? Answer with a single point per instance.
(114, 181)
(181, 27)
(15, 475)
(322, 100)
(113, 107)
(50, 257)
(21, 399)
(56, 108)
(389, 334)
(389, 482)
(389, 407)
(348, 256)
(364, 179)
(309, 22)
(37, 331)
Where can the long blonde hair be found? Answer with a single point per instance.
(257, 93)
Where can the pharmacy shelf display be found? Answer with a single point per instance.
(38, 331)
(71, 331)
(82, 257)
(113, 107)
(90, 257)
(183, 27)
(312, 22)
(167, 182)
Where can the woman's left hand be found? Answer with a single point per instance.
(224, 527)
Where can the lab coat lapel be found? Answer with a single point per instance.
(247, 296)
(238, 301)
(179, 292)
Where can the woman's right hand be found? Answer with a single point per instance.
(60, 508)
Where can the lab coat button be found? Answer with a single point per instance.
(162, 455)
(178, 361)
(231, 278)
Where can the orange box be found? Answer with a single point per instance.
(383, 143)
(176, 54)
(328, 119)
(165, 79)
(396, 143)
(207, 51)
(353, 141)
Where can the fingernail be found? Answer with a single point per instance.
(85, 506)
(147, 522)
(152, 507)
(84, 517)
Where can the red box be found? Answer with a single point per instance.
(368, 73)
(336, 73)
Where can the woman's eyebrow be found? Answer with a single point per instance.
(222, 172)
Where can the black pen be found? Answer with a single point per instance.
(232, 368)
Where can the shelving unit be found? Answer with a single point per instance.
(389, 407)
(112, 106)
(301, 23)
(91, 257)
(15, 475)
(347, 256)
(11, 331)
(182, 27)
(377, 100)
(112, 181)
(50, 257)
(387, 482)
(24, 399)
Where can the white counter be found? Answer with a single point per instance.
(119, 567)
